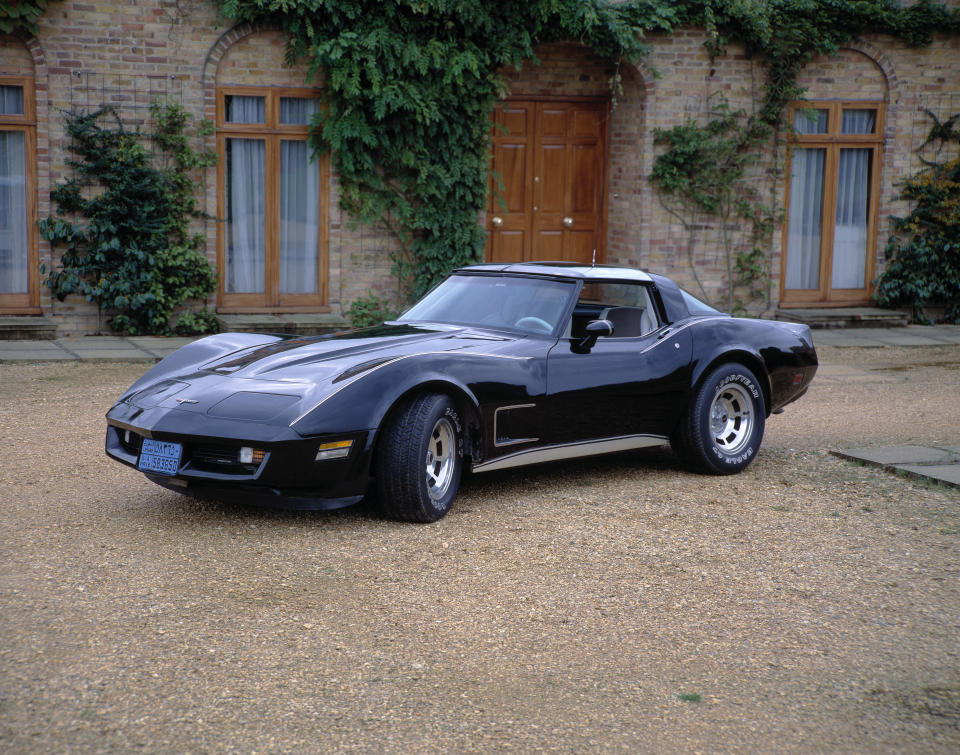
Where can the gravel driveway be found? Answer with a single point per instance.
(611, 605)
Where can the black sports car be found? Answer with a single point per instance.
(500, 365)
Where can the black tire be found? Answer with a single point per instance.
(722, 429)
(420, 459)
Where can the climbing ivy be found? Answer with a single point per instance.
(21, 15)
(704, 170)
(123, 221)
(409, 87)
(784, 35)
(924, 252)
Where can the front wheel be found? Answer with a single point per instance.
(723, 427)
(420, 459)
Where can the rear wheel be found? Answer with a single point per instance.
(420, 459)
(723, 427)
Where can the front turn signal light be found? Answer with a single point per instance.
(251, 455)
(338, 449)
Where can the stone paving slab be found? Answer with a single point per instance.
(945, 474)
(912, 335)
(937, 463)
(92, 349)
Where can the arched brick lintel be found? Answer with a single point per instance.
(215, 55)
(880, 59)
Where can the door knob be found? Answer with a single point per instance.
(568, 222)
(497, 221)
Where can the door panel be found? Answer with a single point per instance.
(510, 189)
(548, 199)
(624, 386)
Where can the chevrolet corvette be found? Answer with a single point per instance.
(498, 366)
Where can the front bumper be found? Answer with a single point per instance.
(287, 477)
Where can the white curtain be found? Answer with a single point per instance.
(810, 121)
(806, 215)
(11, 100)
(246, 214)
(13, 212)
(299, 203)
(858, 121)
(244, 109)
(850, 234)
(296, 111)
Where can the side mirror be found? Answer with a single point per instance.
(593, 330)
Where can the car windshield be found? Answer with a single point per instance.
(533, 305)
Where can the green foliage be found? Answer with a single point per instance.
(409, 87)
(786, 34)
(196, 322)
(369, 310)
(21, 15)
(123, 220)
(704, 169)
(924, 254)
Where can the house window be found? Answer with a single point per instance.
(18, 250)
(830, 234)
(273, 202)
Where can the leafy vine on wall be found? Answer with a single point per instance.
(21, 16)
(409, 88)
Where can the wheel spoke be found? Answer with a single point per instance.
(730, 418)
(440, 461)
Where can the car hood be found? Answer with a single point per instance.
(275, 381)
(313, 359)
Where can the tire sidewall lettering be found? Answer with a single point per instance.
(451, 414)
(745, 456)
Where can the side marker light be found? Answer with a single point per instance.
(338, 449)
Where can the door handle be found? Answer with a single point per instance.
(497, 221)
(568, 222)
(666, 331)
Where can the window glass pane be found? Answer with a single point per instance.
(11, 100)
(810, 121)
(858, 121)
(296, 111)
(13, 213)
(299, 210)
(243, 109)
(806, 216)
(246, 193)
(696, 306)
(850, 233)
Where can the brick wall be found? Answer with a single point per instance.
(642, 230)
(126, 52)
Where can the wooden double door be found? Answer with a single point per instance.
(547, 183)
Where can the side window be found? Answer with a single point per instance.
(627, 305)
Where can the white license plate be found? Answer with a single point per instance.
(160, 456)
